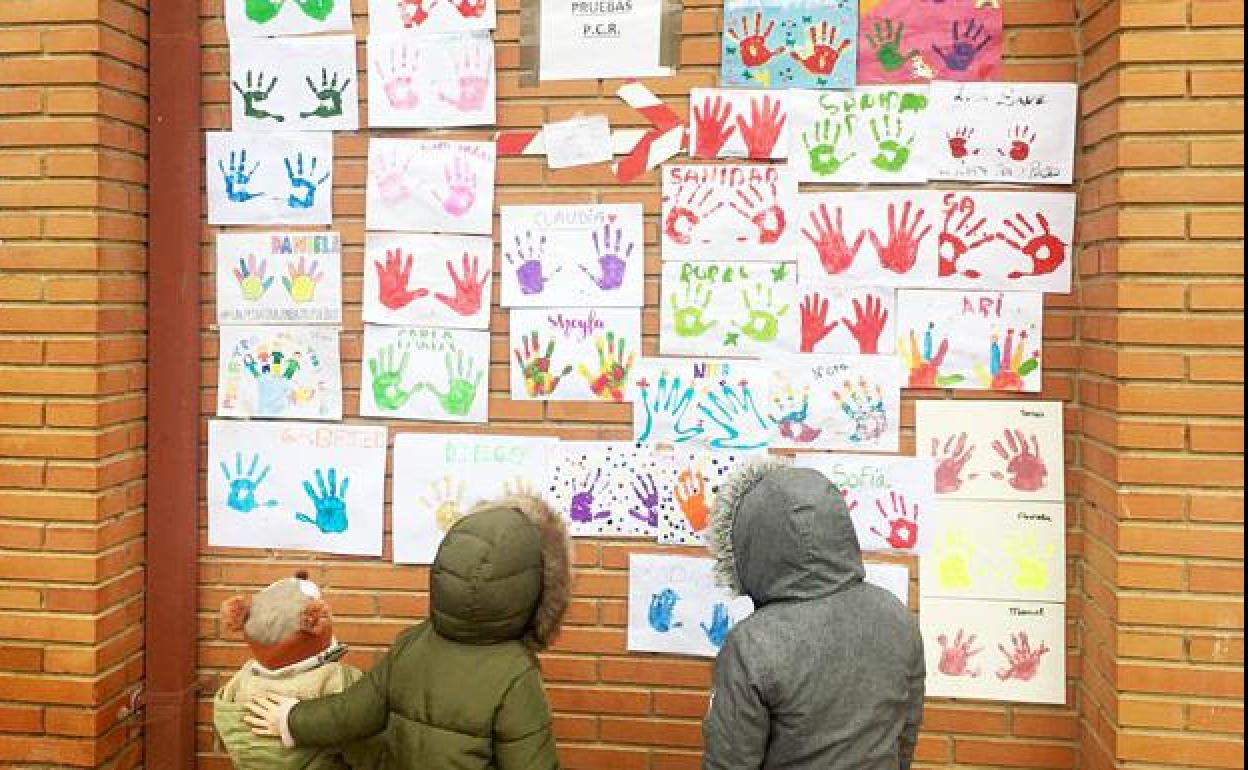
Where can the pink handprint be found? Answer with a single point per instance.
(472, 76)
(461, 183)
(470, 9)
(955, 659)
(398, 78)
(901, 250)
(1023, 463)
(391, 178)
(950, 460)
(1023, 661)
(903, 523)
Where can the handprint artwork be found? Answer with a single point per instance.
(574, 354)
(845, 402)
(280, 18)
(294, 84)
(444, 501)
(879, 239)
(422, 373)
(729, 123)
(727, 308)
(698, 473)
(836, 319)
(674, 606)
(902, 42)
(427, 280)
(290, 372)
(281, 485)
(675, 399)
(391, 18)
(443, 82)
(611, 488)
(787, 45)
(258, 178)
(870, 134)
(722, 212)
(572, 255)
(430, 185)
(249, 266)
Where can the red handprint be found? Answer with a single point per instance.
(1023, 661)
(763, 130)
(762, 209)
(468, 287)
(392, 279)
(415, 12)
(835, 253)
(955, 659)
(960, 236)
(902, 249)
(1023, 463)
(1046, 251)
(1021, 140)
(711, 127)
(687, 211)
(868, 324)
(815, 324)
(959, 143)
(824, 50)
(951, 459)
(470, 9)
(754, 51)
(903, 524)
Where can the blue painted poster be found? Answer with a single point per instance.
(790, 44)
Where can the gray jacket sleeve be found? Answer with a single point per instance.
(738, 725)
(914, 715)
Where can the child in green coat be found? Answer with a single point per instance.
(462, 689)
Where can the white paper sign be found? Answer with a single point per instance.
(728, 308)
(573, 354)
(414, 373)
(698, 474)
(674, 606)
(316, 487)
(272, 18)
(430, 185)
(431, 81)
(600, 39)
(439, 477)
(577, 142)
(279, 278)
(868, 238)
(1005, 651)
(611, 489)
(890, 498)
(728, 212)
(274, 371)
(428, 280)
(738, 123)
(894, 578)
(834, 318)
(994, 450)
(575, 255)
(1003, 132)
(430, 16)
(970, 340)
(294, 84)
(846, 402)
(702, 403)
(872, 134)
(269, 178)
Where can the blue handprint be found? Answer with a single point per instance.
(669, 399)
(237, 177)
(964, 45)
(733, 411)
(243, 486)
(303, 188)
(661, 606)
(721, 624)
(330, 503)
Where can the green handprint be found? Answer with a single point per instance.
(263, 11)
(763, 323)
(388, 380)
(894, 152)
(329, 96)
(255, 93)
(886, 41)
(822, 152)
(954, 555)
(687, 317)
(1031, 569)
(316, 9)
(461, 388)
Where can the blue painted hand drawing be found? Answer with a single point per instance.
(237, 177)
(243, 486)
(666, 404)
(303, 182)
(721, 624)
(330, 502)
(661, 606)
(733, 412)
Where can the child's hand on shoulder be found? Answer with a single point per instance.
(266, 714)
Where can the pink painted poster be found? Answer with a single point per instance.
(914, 41)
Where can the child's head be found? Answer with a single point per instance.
(284, 623)
(502, 574)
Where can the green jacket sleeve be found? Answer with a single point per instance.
(738, 725)
(356, 713)
(523, 739)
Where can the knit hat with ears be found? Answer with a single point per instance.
(284, 623)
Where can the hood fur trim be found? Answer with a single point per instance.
(556, 566)
(724, 515)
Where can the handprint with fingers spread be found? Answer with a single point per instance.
(518, 487)
(388, 391)
(468, 286)
(1037, 242)
(691, 203)
(304, 183)
(328, 95)
(391, 178)
(1008, 363)
(824, 50)
(646, 490)
(891, 142)
(863, 404)
(472, 80)
(245, 485)
(316, 9)
(762, 322)
(582, 509)
(711, 126)
(1031, 561)
(668, 402)
(539, 377)
(399, 77)
(612, 258)
(611, 379)
(688, 316)
(735, 418)
(329, 499)
(901, 522)
(923, 362)
(753, 45)
(1021, 140)
(953, 560)
(764, 128)
(254, 94)
(968, 37)
(821, 146)
(836, 253)
(1022, 661)
(527, 259)
(960, 143)
(690, 494)
(901, 251)
(392, 279)
(792, 410)
(951, 459)
(721, 623)
(886, 40)
(237, 177)
(461, 188)
(301, 280)
(251, 279)
(262, 11)
(1023, 462)
(955, 658)
(814, 321)
(660, 614)
(868, 324)
(959, 235)
(414, 13)
(761, 208)
(463, 380)
(445, 501)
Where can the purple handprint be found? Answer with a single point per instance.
(583, 501)
(965, 44)
(461, 183)
(527, 261)
(610, 264)
(647, 492)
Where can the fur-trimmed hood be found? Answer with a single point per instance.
(502, 573)
(781, 533)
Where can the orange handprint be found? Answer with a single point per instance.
(691, 498)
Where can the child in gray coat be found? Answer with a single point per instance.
(828, 672)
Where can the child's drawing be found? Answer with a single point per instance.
(702, 403)
(430, 185)
(890, 498)
(906, 42)
(611, 488)
(269, 178)
(431, 81)
(574, 354)
(438, 478)
(307, 486)
(727, 308)
(427, 280)
(868, 238)
(834, 318)
(273, 18)
(697, 475)
(291, 372)
(873, 134)
(845, 402)
(795, 44)
(419, 18)
(294, 84)
(279, 278)
(674, 606)
(421, 373)
(970, 340)
(727, 212)
(572, 255)
(738, 124)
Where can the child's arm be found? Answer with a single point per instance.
(522, 734)
(736, 729)
(356, 713)
(914, 716)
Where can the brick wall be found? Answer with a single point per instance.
(1161, 384)
(72, 134)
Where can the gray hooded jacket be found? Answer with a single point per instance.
(828, 672)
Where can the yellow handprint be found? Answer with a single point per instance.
(1031, 561)
(954, 552)
(302, 280)
(445, 501)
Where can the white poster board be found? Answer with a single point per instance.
(388, 17)
(869, 135)
(834, 318)
(611, 488)
(868, 238)
(269, 178)
(890, 497)
(731, 309)
(423, 373)
(845, 402)
(591, 41)
(428, 280)
(291, 372)
(573, 354)
(430, 185)
(674, 606)
(727, 212)
(279, 278)
(294, 84)
(710, 403)
(738, 123)
(431, 81)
